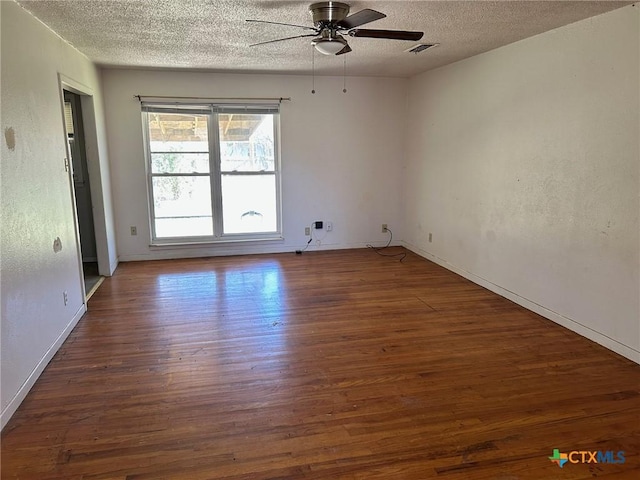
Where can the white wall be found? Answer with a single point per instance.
(341, 155)
(523, 164)
(36, 199)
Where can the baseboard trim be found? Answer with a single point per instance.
(19, 397)
(573, 325)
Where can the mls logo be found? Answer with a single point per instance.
(586, 456)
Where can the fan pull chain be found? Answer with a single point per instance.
(344, 76)
(313, 69)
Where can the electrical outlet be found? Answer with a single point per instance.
(329, 226)
(307, 231)
(318, 225)
(430, 237)
(384, 228)
(134, 230)
(65, 297)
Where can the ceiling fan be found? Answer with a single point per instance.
(331, 20)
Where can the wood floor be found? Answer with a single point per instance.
(326, 365)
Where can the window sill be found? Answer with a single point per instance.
(211, 243)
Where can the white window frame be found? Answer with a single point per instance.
(215, 173)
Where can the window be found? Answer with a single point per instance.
(213, 172)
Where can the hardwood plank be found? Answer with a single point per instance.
(335, 364)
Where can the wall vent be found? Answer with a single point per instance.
(421, 47)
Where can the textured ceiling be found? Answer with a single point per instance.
(213, 34)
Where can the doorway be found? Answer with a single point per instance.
(74, 127)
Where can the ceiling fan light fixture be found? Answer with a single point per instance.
(329, 46)
(331, 20)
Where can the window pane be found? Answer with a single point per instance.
(246, 142)
(184, 205)
(179, 162)
(177, 132)
(249, 203)
(183, 227)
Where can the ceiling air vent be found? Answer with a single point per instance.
(421, 47)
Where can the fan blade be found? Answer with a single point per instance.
(390, 34)
(360, 18)
(285, 24)
(346, 49)
(283, 39)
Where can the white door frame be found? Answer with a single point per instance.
(95, 174)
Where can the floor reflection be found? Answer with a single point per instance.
(253, 299)
(225, 311)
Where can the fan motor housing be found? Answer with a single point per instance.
(324, 13)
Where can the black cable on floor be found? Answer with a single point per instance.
(378, 250)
